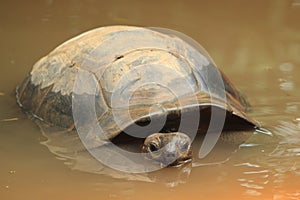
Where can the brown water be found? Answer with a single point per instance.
(256, 43)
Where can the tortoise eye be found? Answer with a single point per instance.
(153, 147)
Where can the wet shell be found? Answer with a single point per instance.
(120, 59)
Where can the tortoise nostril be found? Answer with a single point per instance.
(171, 155)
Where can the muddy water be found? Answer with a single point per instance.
(256, 43)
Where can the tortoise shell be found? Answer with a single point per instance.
(139, 72)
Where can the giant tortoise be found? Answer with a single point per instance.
(144, 76)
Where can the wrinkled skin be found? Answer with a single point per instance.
(168, 149)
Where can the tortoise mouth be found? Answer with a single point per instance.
(180, 162)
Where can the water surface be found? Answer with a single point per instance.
(256, 43)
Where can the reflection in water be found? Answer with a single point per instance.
(255, 177)
(296, 3)
(286, 84)
(9, 119)
(278, 166)
(292, 108)
(69, 148)
(285, 159)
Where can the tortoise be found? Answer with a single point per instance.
(143, 76)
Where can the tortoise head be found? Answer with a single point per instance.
(168, 149)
